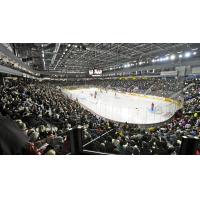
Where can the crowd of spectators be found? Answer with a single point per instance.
(157, 86)
(162, 139)
(46, 117)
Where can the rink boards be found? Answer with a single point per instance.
(125, 107)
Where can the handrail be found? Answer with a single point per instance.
(89, 152)
(149, 89)
(97, 138)
(184, 89)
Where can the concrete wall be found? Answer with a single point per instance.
(195, 70)
(184, 67)
(8, 70)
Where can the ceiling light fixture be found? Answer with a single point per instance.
(187, 54)
(167, 58)
(172, 57)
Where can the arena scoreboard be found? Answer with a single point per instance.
(95, 72)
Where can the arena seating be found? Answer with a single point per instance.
(159, 86)
(45, 115)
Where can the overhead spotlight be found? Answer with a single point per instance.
(167, 58)
(194, 53)
(180, 56)
(187, 54)
(195, 49)
(153, 60)
(172, 57)
(69, 45)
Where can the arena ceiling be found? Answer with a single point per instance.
(80, 57)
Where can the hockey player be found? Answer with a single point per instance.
(95, 94)
(152, 106)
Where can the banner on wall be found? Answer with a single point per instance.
(169, 73)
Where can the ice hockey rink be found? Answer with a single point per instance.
(124, 107)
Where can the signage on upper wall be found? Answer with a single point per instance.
(95, 72)
(169, 73)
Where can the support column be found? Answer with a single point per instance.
(76, 136)
(189, 145)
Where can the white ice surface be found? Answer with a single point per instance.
(123, 107)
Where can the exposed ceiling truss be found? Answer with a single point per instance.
(84, 56)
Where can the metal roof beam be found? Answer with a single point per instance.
(57, 47)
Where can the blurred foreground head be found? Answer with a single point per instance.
(13, 141)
